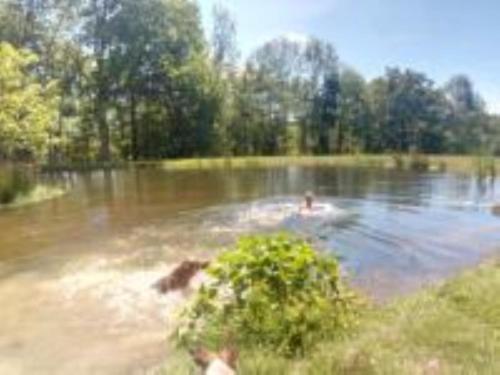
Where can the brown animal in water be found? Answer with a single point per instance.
(496, 210)
(222, 363)
(180, 277)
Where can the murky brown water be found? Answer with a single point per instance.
(75, 272)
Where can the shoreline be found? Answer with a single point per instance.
(39, 194)
(417, 162)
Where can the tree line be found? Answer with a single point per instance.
(101, 80)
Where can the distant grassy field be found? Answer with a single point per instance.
(420, 162)
(449, 329)
(457, 163)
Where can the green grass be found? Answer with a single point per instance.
(450, 329)
(276, 161)
(452, 163)
(38, 194)
(482, 165)
(85, 166)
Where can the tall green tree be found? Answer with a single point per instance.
(461, 94)
(27, 108)
(323, 91)
(468, 125)
(147, 103)
(296, 82)
(413, 112)
(97, 36)
(354, 111)
(225, 55)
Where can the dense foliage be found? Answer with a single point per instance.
(27, 109)
(14, 182)
(451, 328)
(138, 79)
(274, 292)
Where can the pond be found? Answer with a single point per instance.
(76, 271)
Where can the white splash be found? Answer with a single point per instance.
(124, 293)
(271, 214)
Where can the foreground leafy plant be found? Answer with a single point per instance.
(273, 291)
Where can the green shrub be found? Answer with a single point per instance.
(13, 184)
(273, 291)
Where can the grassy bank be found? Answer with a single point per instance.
(484, 165)
(38, 194)
(450, 329)
(455, 163)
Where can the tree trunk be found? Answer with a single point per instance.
(104, 153)
(133, 127)
(100, 45)
(340, 138)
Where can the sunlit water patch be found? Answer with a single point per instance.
(271, 214)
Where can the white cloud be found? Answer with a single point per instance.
(296, 37)
(258, 21)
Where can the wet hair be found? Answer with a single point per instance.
(309, 197)
(180, 277)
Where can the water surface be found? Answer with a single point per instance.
(75, 272)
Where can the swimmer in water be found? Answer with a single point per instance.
(308, 202)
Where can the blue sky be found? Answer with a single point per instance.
(438, 37)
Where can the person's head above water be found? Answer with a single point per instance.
(309, 197)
